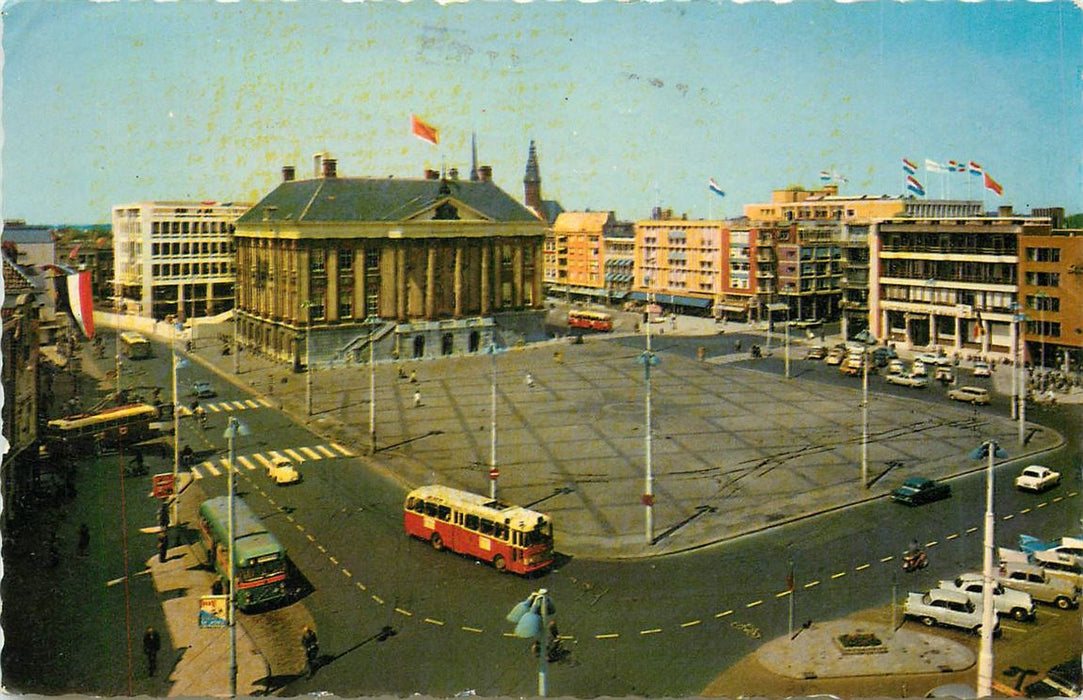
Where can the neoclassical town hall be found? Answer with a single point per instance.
(418, 268)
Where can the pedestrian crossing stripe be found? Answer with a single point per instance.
(227, 406)
(256, 460)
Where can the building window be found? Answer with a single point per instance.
(1043, 254)
(372, 258)
(318, 261)
(1043, 303)
(345, 261)
(1043, 279)
(345, 303)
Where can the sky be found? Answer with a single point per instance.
(631, 105)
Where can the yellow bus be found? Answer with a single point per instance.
(135, 345)
(107, 429)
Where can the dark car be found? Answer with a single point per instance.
(1063, 680)
(882, 355)
(917, 490)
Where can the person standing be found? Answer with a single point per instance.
(530, 380)
(417, 398)
(163, 547)
(151, 644)
(312, 649)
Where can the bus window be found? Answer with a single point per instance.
(486, 527)
(444, 513)
(430, 509)
(471, 522)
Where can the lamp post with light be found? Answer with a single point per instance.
(307, 306)
(234, 429)
(648, 358)
(531, 618)
(989, 450)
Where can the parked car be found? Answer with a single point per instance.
(853, 365)
(932, 359)
(282, 472)
(896, 367)
(882, 355)
(942, 607)
(202, 390)
(1063, 680)
(1066, 547)
(1040, 585)
(1006, 601)
(816, 352)
(917, 368)
(943, 374)
(970, 394)
(1036, 478)
(983, 369)
(911, 380)
(918, 489)
(835, 356)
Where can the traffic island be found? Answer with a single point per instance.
(844, 648)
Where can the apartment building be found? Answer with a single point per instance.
(680, 263)
(576, 260)
(1051, 295)
(619, 258)
(174, 258)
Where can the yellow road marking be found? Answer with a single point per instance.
(810, 584)
(471, 629)
(263, 460)
(240, 405)
(347, 572)
(862, 567)
(326, 451)
(342, 449)
(693, 623)
(783, 594)
(246, 462)
(886, 559)
(724, 613)
(838, 575)
(310, 453)
(612, 635)
(333, 561)
(378, 599)
(431, 621)
(213, 408)
(265, 403)
(407, 613)
(656, 630)
(211, 468)
(251, 404)
(196, 474)
(754, 604)
(294, 454)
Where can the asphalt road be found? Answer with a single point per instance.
(663, 626)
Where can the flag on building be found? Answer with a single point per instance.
(713, 187)
(825, 176)
(74, 251)
(933, 167)
(909, 166)
(991, 184)
(424, 131)
(978, 329)
(80, 302)
(975, 169)
(914, 186)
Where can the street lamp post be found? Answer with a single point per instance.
(494, 473)
(865, 417)
(786, 353)
(648, 358)
(176, 420)
(1040, 298)
(371, 321)
(307, 305)
(531, 618)
(234, 428)
(1020, 374)
(989, 450)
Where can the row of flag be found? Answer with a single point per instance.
(952, 166)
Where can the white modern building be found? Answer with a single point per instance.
(175, 258)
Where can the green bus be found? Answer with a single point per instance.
(259, 562)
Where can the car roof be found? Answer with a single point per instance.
(948, 594)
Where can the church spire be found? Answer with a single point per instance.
(473, 157)
(532, 181)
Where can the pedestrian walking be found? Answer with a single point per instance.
(417, 398)
(312, 650)
(163, 547)
(401, 371)
(530, 380)
(151, 644)
(163, 515)
(84, 540)
(413, 376)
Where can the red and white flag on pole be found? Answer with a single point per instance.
(424, 131)
(80, 301)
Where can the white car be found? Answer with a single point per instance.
(1006, 601)
(282, 472)
(896, 366)
(983, 369)
(918, 368)
(970, 394)
(1036, 478)
(912, 380)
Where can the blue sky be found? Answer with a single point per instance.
(631, 105)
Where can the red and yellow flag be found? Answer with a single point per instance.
(425, 132)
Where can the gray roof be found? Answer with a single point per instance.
(379, 199)
(27, 235)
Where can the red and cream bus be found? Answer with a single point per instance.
(594, 320)
(510, 537)
(107, 429)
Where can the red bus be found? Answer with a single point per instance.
(106, 429)
(510, 537)
(594, 320)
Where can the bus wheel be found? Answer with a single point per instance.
(437, 541)
(499, 563)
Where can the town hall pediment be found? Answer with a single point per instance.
(448, 209)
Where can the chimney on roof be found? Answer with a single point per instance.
(485, 173)
(317, 161)
(330, 168)
(289, 173)
(431, 174)
(1005, 210)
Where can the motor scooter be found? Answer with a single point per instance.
(912, 561)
